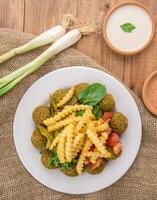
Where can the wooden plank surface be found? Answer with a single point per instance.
(35, 16)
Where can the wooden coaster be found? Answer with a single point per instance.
(118, 50)
(149, 92)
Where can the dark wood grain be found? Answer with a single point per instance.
(35, 16)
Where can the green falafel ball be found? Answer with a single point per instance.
(79, 87)
(113, 155)
(41, 113)
(58, 95)
(96, 171)
(70, 171)
(118, 122)
(38, 140)
(107, 103)
(45, 157)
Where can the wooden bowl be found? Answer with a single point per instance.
(117, 50)
(149, 92)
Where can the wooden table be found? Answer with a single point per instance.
(35, 16)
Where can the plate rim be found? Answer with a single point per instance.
(89, 68)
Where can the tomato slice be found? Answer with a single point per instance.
(113, 139)
(107, 116)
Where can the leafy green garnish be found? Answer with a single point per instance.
(127, 27)
(68, 165)
(55, 161)
(80, 113)
(92, 94)
(97, 112)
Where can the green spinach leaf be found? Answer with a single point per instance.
(68, 165)
(97, 112)
(92, 94)
(127, 27)
(55, 161)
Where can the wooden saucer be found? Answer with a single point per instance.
(149, 92)
(114, 48)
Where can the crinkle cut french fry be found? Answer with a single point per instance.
(102, 127)
(85, 119)
(78, 143)
(61, 147)
(65, 112)
(55, 141)
(63, 123)
(69, 142)
(80, 163)
(91, 133)
(66, 98)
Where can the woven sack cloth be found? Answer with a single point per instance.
(139, 183)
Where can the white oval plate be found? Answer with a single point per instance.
(38, 94)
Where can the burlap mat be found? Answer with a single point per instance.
(16, 183)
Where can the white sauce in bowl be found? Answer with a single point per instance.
(134, 40)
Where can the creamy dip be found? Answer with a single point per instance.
(138, 37)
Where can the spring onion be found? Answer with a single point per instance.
(70, 38)
(45, 38)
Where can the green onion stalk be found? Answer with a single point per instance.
(43, 39)
(67, 40)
